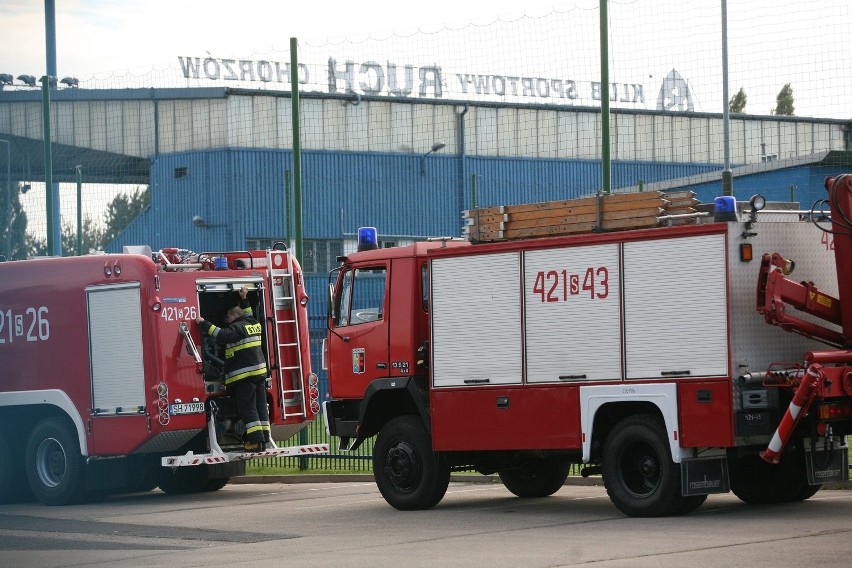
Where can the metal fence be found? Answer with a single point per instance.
(335, 461)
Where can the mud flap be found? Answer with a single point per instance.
(703, 476)
(825, 466)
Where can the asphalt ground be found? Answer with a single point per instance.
(260, 522)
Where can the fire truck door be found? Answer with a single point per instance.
(117, 366)
(360, 329)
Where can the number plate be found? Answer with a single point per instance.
(186, 408)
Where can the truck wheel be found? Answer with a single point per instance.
(806, 492)
(216, 484)
(54, 466)
(13, 481)
(192, 479)
(759, 483)
(409, 475)
(639, 475)
(535, 478)
(146, 478)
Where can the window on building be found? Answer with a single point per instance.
(320, 255)
(263, 243)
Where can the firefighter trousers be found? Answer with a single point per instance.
(250, 396)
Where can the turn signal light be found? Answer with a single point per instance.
(835, 410)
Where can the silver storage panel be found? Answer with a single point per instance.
(573, 314)
(755, 345)
(675, 308)
(476, 320)
(115, 348)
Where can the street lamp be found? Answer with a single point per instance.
(435, 147)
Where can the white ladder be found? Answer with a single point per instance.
(285, 310)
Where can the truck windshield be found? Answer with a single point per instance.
(362, 295)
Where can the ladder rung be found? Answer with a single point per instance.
(279, 322)
(287, 344)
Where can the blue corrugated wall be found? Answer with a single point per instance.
(241, 193)
(802, 184)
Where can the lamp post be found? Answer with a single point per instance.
(435, 147)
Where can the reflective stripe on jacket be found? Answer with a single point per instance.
(244, 356)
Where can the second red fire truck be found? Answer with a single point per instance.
(643, 354)
(106, 384)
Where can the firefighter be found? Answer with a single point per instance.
(245, 369)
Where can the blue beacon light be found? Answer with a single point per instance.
(368, 238)
(725, 208)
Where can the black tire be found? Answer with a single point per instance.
(147, 478)
(689, 504)
(757, 482)
(535, 478)
(806, 492)
(409, 475)
(638, 472)
(189, 479)
(216, 484)
(54, 466)
(13, 480)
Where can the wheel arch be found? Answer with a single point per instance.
(386, 399)
(30, 407)
(602, 406)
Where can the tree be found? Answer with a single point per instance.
(13, 225)
(36, 247)
(122, 210)
(784, 102)
(738, 102)
(91, 238)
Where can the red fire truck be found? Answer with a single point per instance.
(105, 378)
(638, 353)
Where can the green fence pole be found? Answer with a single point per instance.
(606, 157)
(297, 181)
(79, 210)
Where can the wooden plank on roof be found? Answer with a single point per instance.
(590, 217)
(546, 205)
(565, 229)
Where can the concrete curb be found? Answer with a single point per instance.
(368, 478)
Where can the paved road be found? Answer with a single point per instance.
(349, 524)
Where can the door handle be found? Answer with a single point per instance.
(381, 365)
